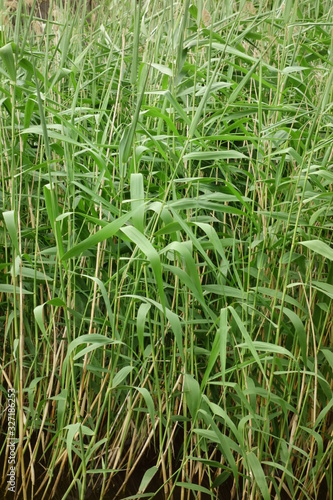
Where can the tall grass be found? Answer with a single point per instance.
(166, 261)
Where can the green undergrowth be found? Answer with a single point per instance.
(166, 275)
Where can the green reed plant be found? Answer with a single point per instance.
(166, 253)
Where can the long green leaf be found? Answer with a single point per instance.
(258, 475)
(106, 232)
(147, 248)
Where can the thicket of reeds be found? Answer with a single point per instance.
(166, 275)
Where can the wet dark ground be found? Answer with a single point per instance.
(130, 490)
(119, 491)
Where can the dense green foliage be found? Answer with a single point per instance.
(166, 275)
